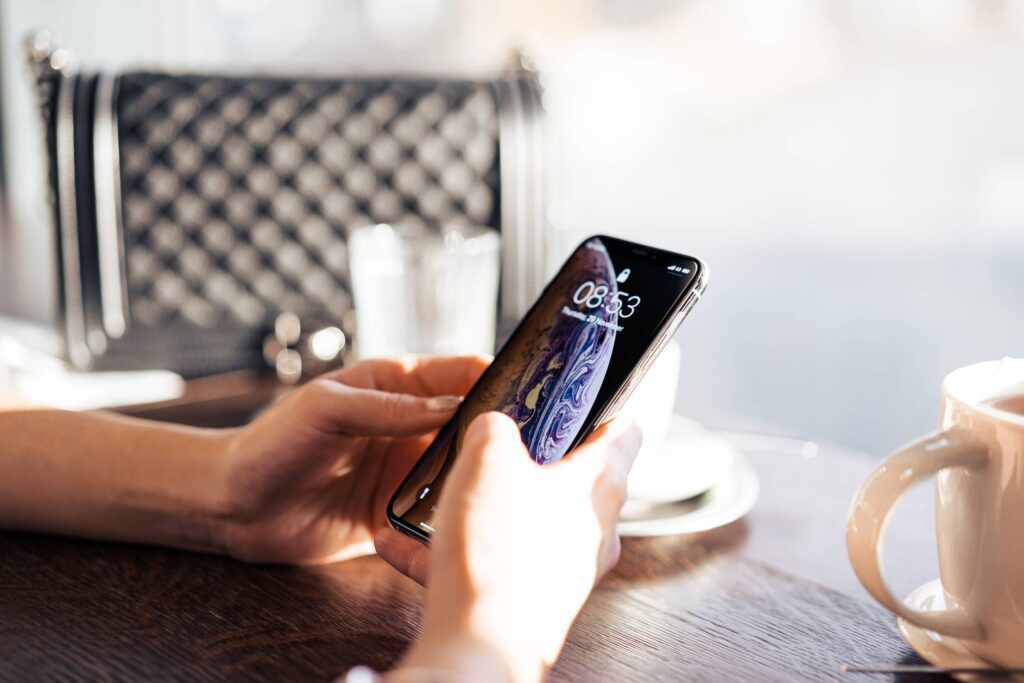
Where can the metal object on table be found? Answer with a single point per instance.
(298, 349)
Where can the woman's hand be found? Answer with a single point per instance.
(517, 551)
(308, 481)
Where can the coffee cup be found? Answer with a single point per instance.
(651, 406)
(978, 457)
(653, 402)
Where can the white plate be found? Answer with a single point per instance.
(724, 502)
(942, 651)
(687, 463)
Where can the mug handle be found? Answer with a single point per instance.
(875, 500)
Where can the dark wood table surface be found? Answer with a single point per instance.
(769, 597)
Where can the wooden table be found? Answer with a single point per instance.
(770, 597)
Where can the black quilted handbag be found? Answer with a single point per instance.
(191, 210)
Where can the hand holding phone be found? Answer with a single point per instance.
(529, 542)
(570, 364)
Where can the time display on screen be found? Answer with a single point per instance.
(593, 295)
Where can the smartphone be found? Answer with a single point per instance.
(571, 362)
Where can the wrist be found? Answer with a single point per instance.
(475, 649)
(211, 505)
(219, 510)
(166, 488)
(456, 658)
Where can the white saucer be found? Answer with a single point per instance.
(686, 464)
(726, 501)
(938, 650)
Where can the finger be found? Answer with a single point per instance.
(491, 449)
(603, 463)
(489, 438)
(417, 375)
(337, 408)
(614, 445)
(405, 554)
(608, 557)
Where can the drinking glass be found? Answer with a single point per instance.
(424, 291)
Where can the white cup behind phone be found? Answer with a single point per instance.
(653, 401)
(678, 459)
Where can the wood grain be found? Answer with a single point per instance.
(673, 610)
(767, 598)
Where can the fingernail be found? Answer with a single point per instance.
(443, 404)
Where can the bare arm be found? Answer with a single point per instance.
(102, 475)
(305, 482)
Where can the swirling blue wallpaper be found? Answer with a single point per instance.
(554, 394)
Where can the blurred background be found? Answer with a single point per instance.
(851, 170)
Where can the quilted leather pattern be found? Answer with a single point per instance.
(238, 193)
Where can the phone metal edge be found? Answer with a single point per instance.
(661, 339)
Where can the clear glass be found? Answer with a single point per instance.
(424, 291)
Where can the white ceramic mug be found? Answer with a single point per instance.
(652, 406)
(978, 457)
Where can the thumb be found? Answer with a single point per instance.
(604, 461)
(492, 437)
(331, 406)
(405, 554)
(609, 452)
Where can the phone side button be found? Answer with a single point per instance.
(691, 301)
(616, 407)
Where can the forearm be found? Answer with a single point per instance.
(451, 659)
(101, 475)
(468, 643)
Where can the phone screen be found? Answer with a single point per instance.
(565, 362)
